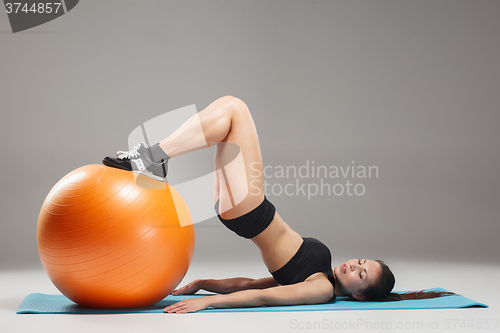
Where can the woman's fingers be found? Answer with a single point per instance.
(180, 290)
(180, 309)
(187, 305)
(189, 288)
(175, 307)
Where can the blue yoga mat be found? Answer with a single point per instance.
(43, 303)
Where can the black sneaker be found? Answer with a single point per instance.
(139, 160)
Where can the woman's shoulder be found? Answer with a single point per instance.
(324, 276)
(324, 280)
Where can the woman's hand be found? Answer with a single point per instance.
(189, 289)
(188, 305)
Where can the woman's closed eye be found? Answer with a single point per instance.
(359, 263)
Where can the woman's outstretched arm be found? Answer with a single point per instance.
(315, 291)
(226, 286)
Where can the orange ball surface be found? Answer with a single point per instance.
(108, 240)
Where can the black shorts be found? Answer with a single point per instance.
(252, 223)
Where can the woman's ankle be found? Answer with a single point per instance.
(157, 154)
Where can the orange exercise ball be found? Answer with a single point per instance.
(109, 240)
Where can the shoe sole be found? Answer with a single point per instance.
(157, 178)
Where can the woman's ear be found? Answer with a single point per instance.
(358, 297)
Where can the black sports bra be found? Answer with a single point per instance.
(312, 257)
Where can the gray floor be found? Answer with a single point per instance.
(476, 281)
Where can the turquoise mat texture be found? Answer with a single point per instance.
(51, 304)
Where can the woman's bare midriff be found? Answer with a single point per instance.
(277, 244)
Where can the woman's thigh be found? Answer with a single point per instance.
(238, 165)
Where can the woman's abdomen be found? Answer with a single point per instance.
(277, 244)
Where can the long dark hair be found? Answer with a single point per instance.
(381, 291)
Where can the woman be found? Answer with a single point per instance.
(300, 267)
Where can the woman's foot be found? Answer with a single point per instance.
(139, 160)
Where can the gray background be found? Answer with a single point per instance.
(409, 86)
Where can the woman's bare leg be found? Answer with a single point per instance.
(228, 123)
(238, 181)
(208, 126)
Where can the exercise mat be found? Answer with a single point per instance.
(53, 304)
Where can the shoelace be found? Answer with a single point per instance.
(129, 154)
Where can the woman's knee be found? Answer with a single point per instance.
(235, 105)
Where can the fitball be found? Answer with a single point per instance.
(107, 240)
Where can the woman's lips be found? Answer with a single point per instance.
(343, 268)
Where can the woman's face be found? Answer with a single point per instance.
(356, 275)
